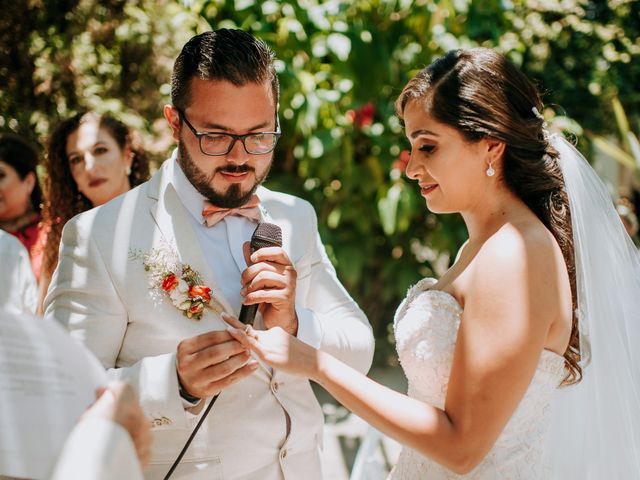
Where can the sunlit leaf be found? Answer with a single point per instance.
(315, 149)
(621, 119)
(333, 220)
(340, 45)
(634, 146)
(388, 209)
(615, 152)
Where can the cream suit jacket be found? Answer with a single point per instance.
(269, 425)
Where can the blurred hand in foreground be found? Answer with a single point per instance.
(118, 402)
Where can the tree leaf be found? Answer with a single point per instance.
(340, 45)
(614, 151)
(388, 209)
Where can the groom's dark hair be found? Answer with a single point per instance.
(232, 55)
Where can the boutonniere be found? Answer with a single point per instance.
(169, 277)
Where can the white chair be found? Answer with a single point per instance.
(375, 457)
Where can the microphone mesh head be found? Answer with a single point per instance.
(266, 235)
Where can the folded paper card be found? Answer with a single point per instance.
(47, 380)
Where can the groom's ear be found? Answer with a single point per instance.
(171, 114)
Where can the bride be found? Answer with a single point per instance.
(522, 359)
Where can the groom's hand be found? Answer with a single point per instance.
(270, 280)
(208, 363)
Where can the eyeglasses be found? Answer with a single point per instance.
(220, 143)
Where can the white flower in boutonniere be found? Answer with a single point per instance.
(182, 284)
(178, 292)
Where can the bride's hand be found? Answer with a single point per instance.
(276, 348)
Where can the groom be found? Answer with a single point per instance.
(123, 289)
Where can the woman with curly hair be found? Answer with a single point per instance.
(91, 160)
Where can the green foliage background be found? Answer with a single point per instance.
(342, 64)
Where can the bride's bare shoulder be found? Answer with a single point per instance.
(524, 252)
(529, 238)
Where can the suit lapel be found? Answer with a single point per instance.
(172, 220)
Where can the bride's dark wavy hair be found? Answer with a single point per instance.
(482, 94)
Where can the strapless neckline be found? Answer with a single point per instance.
(426, 327)
(455, 301)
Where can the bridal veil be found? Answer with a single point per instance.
(596, 423)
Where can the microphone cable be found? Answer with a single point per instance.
(190, 439)
(265, 235)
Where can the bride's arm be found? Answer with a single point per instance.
(508, 308)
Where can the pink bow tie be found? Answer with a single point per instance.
(213, 214)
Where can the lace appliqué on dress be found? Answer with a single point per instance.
(426, 328)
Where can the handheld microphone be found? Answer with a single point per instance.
(265, 235)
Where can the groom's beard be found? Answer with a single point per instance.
(233, 197)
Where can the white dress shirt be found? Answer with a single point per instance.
(224, 240)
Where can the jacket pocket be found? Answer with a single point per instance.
(209, 468)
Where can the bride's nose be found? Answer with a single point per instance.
(412, 169)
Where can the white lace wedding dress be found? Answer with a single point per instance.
(426, 327)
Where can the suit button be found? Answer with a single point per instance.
(274, 387)
(283, 454)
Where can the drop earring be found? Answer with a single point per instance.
(490, 171)
(127, 170)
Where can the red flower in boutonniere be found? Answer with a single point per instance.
(169, 283)
(195, 309)
(200, 291)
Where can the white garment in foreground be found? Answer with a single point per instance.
(98, 449)
(18, 291)
(46, 381)
(426, 328)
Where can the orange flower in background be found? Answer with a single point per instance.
(200, 291)
(170, 282)
(402, 161)
(362, 116)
